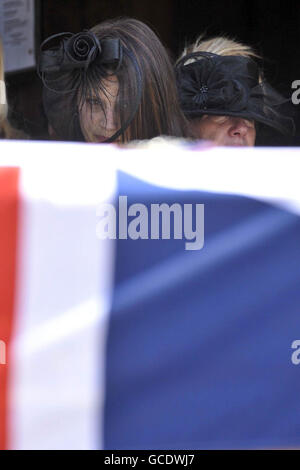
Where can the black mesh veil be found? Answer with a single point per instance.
(231, 86)
(76, 69)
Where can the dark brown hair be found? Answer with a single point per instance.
(159, 111)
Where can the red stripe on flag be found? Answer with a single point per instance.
(8, 246)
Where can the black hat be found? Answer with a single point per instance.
(230, 86)
(74, 69)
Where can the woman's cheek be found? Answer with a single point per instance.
(86, 124)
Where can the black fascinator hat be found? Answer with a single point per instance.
(74, 69)
(231, 86)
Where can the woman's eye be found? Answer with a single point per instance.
(220, 119)
(250, 123)
(94, 102)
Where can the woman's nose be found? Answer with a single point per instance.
(109, 119)
(238, 127)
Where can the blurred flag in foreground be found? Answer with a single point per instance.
(137, 342)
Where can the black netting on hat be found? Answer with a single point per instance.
(76, 70)
(230, 86)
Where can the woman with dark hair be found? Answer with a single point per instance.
(114, 82)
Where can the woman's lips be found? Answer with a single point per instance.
(101, 138)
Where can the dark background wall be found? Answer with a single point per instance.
(271, 26)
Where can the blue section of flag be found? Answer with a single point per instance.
(199, 344)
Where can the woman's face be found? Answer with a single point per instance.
(98, 117)
(225, 130)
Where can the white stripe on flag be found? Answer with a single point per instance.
(267, 174)
(64, 286)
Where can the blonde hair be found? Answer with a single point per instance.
(220, 45)
(6, 130)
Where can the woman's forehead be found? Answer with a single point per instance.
(109, 87)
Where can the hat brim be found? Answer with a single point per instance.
(286, 129)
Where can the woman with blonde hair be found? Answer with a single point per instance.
(224, 95)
